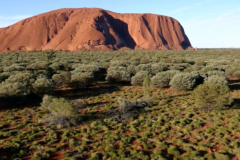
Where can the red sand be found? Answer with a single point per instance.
(93, 29)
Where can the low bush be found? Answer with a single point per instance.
(144, 67)
(233, 72)
(60, 112)
(61, 79)
(212, 96)
(39, 65)
(17, 85)
(80, 104)
(131, 69)
(209, 69)
(179, 66)
(158, 67)
(236, 74)
(127, 109)
(185, 81)
(85, 68)
(39, 155)
(162, 79)
(119, 63)
(42, 85)
(172, 150)
(216, 73)
(13, 67)
(215, 79)
(4, 76)
(137, 79)
(118, 74)
(146, 87)
(81, 79)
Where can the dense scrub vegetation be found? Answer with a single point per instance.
(135, 104)
(38, 72)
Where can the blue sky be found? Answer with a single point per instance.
(207, 23)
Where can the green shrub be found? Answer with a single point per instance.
(42, 85)
(221, 156)
(94, 156)
(146, 86)
(83, 74)
(118, 74)
(233, 71)
(179, 66)
(144, 67)
(131, 69)
(137, 79)
(60, 112)
(56, 66)
(126, 109)
(162, 79)
(158, 67)
(118, 63)
(85, 68)
(19, 84)
(80, 104)
(200, 63)
(135, 61)
(185, 81)
(14, 67)
(192, 155)
(215, 79)
(144, 60)
(13, 89)
(192, 68)
(209, 156)
(4, 76)
(40, 155)
(212, 96)
(81, 79)
(39, 65)
(172, 150)
(216, 73)
(61, 79)
(236, 74)
(22, 84)
(22, 77)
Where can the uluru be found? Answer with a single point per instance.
(93, 29)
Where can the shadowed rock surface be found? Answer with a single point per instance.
(93, 29)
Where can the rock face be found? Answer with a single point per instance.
(93, 28)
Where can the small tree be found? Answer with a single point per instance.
(185, 81)
(124, 111)
(215, 79)
(118, 74)
(137, 79)
(162, 79)
(159, 67)
(60, 112)
(19, 84)
(13, 67)
(217, 73)
(38, 65)
(131, 69)
(212, 96)
(81, 79)
(42, 85)
(61, 79)
(144, 67)
(13, 89)
(4, 76)
(146, 86)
